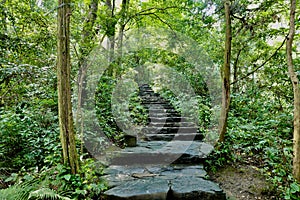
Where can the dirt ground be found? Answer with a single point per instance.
(243, 182)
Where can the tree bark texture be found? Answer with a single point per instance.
(296, 89)
(226, 75)
(67, 134)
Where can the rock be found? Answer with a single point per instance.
(188, 182)
(172, 136)
(162, 152)
(130, 140)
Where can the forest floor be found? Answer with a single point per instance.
(241, 181)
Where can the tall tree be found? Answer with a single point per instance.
(123, 13)
(111, 28)
(296, 89)
(86, 45)
(226, 75)
(67, 134)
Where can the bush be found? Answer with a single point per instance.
(28, 135)
(57, 183)
(260, 134)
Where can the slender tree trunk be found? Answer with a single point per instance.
(296, 89)
(120, 40)
(235, 72)
(226, 75)
(112, 30)
(67, 134)
(85, 48)
(123, 12)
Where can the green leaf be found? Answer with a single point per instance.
(295, 188)
(67, 177)
(82, 192)
(13, 177)
(46, 193)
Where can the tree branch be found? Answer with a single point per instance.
(164, 22)
(240, 18)
(263, 64)
(147, 12)
(158, 9)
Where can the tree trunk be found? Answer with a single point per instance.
(124, 8)
(235, 72)
(296, 89)
(67, 135)
(86, 46)
(111, 30)
(226, 76)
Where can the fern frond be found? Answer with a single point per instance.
(46, 193)
(19, 191)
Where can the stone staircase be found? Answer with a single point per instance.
(167, 158)
(165, 123)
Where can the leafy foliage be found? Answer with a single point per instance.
(19, 191)
(28, 136)
(57, 183)
(260, 136)
(46, 193)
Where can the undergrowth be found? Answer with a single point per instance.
(260, 136)
(56, 183)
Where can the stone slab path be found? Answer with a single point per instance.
(167, 163)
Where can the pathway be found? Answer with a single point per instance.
(167, 163)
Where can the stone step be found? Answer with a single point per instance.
(166, 130)
(161, 110)
(151, 96)
(161, 152)
(157, 115)
(171, 124)
(147, 91)
(169, 119)
(169, 137)
(144, 94)
(158, 106)
(153, 182)
(144, 86)
(161, 104)
(155, 101)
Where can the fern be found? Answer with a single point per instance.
(46, 193)
(19, 191)
(30, 190)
